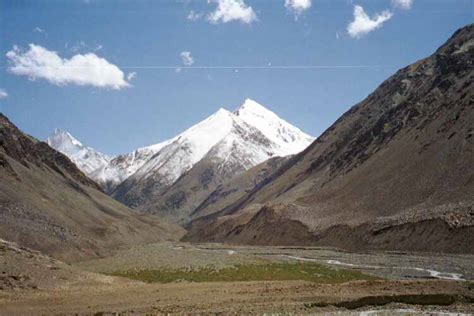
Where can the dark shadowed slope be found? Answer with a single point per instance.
(232, 190)
(394, 172)
(47, 204)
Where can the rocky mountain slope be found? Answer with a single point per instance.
(181, 175)
(48, 204)
(394, 172)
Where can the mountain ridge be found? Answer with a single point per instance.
(221, 146)
(109, 172)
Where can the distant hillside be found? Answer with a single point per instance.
(394, 172)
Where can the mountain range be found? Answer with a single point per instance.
(105, 170)
(197, 160)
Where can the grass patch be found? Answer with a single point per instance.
(248, 272)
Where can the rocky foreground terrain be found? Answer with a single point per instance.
(394, 172)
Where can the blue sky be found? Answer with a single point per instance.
(301, 63)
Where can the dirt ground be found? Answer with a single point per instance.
(231, 297)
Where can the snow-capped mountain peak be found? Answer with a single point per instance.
(254, 108)
(86, 158)
(250, 127)
(244, 137)
(64, 140)
(289, 138)
(105, 170)
(186, 149)
(210, 131)
(210, 152)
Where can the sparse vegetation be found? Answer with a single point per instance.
(247, 272)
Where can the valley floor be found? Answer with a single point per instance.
(392, 265)
(403, 283)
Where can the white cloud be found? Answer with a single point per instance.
(3, 94)
(193, 16)
(402, 4)
(231, 10)
(297, 6)
(132, 75)
(81, 45)
(87, 69)
(363, 24)
(38, 30)
(187, 58)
